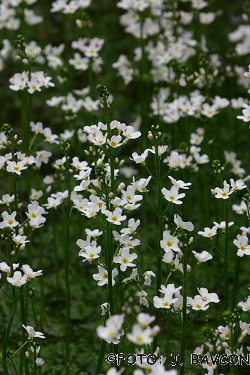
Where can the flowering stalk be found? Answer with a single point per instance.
(66, 220)
(104, 94)
(26, 97)
(160, 233)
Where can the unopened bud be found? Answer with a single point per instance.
(121, 186)
(39, 361)
(79, 23)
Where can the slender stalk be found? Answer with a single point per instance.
(143, 87)
(160, 234)
(41, 279)
(7, 332)
(24, 321)
(184, 313)
(236, 282)
(55, 255)
(13, 355)
(100, 358)
(109, 266)
(66, 221)
(109, 249)
(226, 260)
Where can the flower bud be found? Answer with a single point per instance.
(39, 361)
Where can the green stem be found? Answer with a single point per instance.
(236, 282)
(111, 153)
(27, 139)
(100, 358)
(184, 313)
(66, 221)
(41, 279)
(109, 267)
(55, 254)
(160, 234)
(24, 321)
(21, 347)
(226, 260)
(7, 332)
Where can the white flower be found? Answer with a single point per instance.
(42, 157)
(197, 303)
(174, 160)
(180, 183)
(16, 167)
(125, 259)
(209, 297)
(242, 244)
(4, 267)
(133, 277)
(183, 224)
(90, 253)
(115, 141)
(164, 302)
(169, 242)
(112, 331)
(172, 195)
(206, 18)
(222, 225)
(245, 305)
(202, 257)
(39, 361)
(30, 273)
(140, 159)
(115, 217)
(8, 220)
(18, 279)
(105, 308)
(140, 336)
(130, 133)
(144, 319)
(225, 332)
(7, 199)
(32, 334)
(143, 298)
(102, 276)
(208, 232)
(246, 113)
(35, 212)
(148, 275)
(223, 193)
